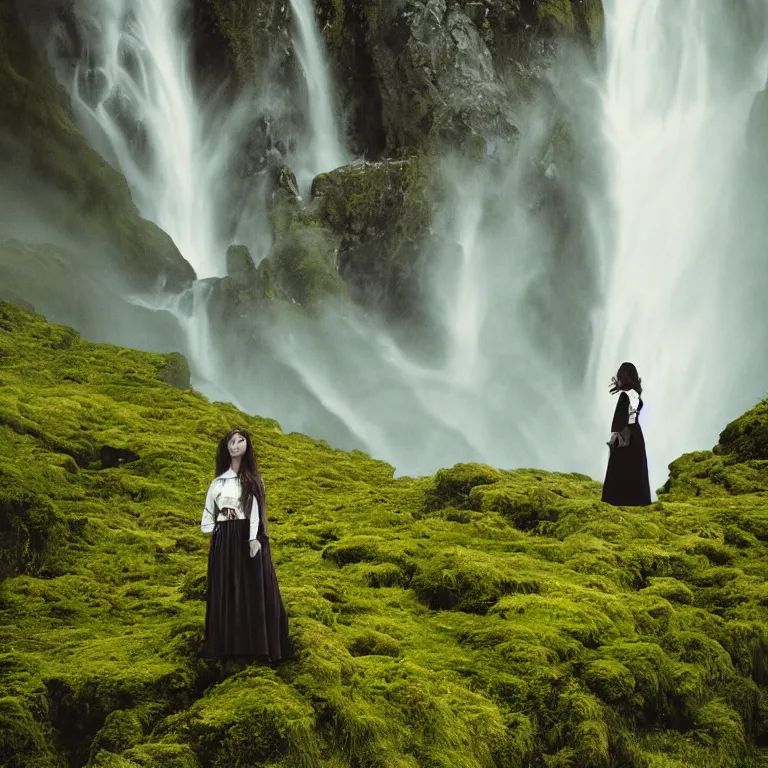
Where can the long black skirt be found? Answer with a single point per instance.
(626, 479)
(245, 616)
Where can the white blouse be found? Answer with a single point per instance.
(223, 492)
(634, 404)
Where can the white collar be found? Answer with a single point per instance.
(230, 473)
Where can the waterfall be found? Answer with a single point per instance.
(681, 79)
(532, 326)
(325, 150)
(133, 96)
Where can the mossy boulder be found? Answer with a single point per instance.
(746, 438)
(240, 266)
(431, 623)
(305, 265)
(374, 201)
(48, 163)
(382, 214)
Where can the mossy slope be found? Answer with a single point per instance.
(478, 618)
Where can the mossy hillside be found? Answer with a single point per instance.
(478, 618)
(45, 149)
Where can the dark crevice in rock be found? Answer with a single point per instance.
(348, 42)
(115, 457)
(213, 62)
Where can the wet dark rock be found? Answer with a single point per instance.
(240, 266)
(111, 457)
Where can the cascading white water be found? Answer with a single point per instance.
(134, 98)
(681, 79)
(326, 149)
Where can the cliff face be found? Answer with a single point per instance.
(419, 80)
(478, 617)
(415, 72)
(47, 164)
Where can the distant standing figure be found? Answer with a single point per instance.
(245, 616)
(626, 479)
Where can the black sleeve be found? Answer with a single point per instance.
(621, 414)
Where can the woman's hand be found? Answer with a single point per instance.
(255, 546)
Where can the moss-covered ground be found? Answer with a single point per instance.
(473, 619)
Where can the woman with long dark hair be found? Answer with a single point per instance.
(626, 479)
(245, 616)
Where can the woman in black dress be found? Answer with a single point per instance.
(245, 616)
(626, 479)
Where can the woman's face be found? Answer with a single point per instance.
(236, 445)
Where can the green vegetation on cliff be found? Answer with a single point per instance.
(478, 618)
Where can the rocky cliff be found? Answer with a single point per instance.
(419, 79)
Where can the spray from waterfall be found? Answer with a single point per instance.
(134, 96)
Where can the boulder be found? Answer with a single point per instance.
(240, 266)
(382, 213)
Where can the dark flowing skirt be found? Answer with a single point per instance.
(626, 479)
(245, 616)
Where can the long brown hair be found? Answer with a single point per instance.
(251, 482)
(626, 378)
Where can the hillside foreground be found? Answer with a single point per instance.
(473, 619)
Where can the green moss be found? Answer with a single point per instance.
(121, 730)
(25, 741)
(368, 201)
(560, 12)
(594, 21)
(372, 643)
(453, 486)
(176, 371)
(480, 617)
(746, 438)
(304, 265)
(610, 680)
(583, 19)
(161, 756)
